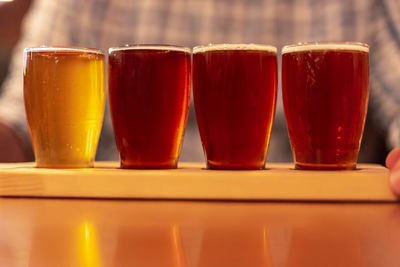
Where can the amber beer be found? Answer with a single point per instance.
(235, 88)
(149, 91)
(64, 102)
(325, 95)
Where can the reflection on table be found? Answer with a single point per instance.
(39, 232)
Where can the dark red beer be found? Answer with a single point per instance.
(149, 91)
(325, 96)
(234, 88)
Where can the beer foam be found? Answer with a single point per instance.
(301, 47)
(150, 47)
(62, 49)
(219, 47)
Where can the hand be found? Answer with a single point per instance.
(393, 163)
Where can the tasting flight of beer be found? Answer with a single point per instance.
(324, 88)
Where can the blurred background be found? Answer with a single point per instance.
(11, 15)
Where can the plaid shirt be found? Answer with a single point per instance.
(106, 23)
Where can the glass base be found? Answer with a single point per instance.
(149, 166)
(230, 166)
(327, 167)
(58, 165)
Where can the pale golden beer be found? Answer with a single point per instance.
(64, 103)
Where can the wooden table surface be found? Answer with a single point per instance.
(72, 232)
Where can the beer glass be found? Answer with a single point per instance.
(64, 102)
(149, 91)
(234, 89)
(325, 96)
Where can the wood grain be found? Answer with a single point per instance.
(193, 181)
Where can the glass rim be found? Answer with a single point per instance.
(307, 46)
(63, 49)
(234, 46)
(150, 47)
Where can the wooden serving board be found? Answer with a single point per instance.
(193, 181)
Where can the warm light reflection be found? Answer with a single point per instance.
(266, 248)
(86, 233)
(89, 251)
(177, 243)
